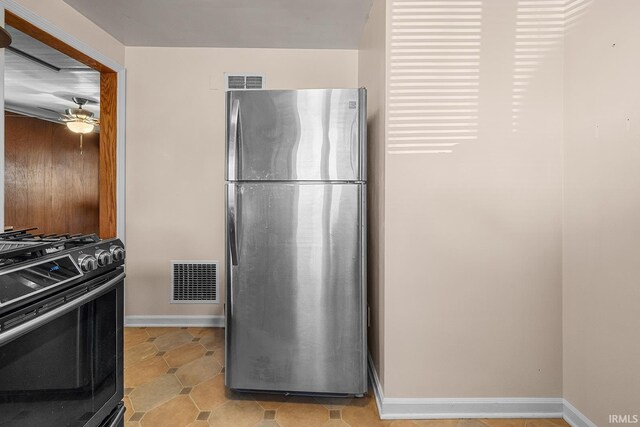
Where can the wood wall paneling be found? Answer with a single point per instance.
(48, 183)
(108, 153)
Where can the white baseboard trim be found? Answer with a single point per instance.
(500, 407)
(575, 417)
(375, 383)
(174, 321)
(439, 408)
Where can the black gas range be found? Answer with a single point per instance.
(61, 330)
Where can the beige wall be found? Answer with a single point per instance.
(602, 205)
(472, 298)
(371, 74)
(175, 154)
(75, 24)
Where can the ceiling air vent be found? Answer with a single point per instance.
(237, 81)
(194, 281)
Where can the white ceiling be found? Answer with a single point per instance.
(302, 24)
(38, 90)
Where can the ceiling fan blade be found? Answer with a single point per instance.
(48, 109)
(5, 38)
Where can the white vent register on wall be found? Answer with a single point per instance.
(194, 282)
(243, 81)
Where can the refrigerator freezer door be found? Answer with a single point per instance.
(296, 135)
(296, 298)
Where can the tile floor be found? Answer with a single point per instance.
(174, 377)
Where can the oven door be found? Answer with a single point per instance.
(61, 360)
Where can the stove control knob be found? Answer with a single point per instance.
(87, 262)
(103, 257)
(117, 252)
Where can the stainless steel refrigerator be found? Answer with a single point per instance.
(296, 248)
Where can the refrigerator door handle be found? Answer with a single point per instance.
(234, 121)
(353, 153)
(231, 215)
(362, 133)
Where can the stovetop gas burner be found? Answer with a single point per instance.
(20, 245)
(35, 265)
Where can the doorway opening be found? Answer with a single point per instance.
(104, 148)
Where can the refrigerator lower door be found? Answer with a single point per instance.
(296, 298)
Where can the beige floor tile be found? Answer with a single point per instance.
(302, 399)
(361, 402)
(184, 354)
(267, 423)
(131, 424)
(471, 423)
(134, 336)
(200, 370)
(171, 340)
(179, 411)
(403, 423)
(156, 332)
(198, 424)
(362, 413)
(210, 394)
(504, 422)
(154, 393)
(219, 356)
(335, 423)
(269, 401)
(334, 402)
(236, 413)
(214, 341)
(129, 406)
(234, 395)
(145, 371)
(298, 414)
(554, 422)
(437, 423)
(138, 353)
(201, 332)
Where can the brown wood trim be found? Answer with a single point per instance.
(108, 154)
(28, 28)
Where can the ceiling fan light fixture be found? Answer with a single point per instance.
(79, 113)
(80, 127)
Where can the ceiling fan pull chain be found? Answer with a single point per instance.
(81, 152)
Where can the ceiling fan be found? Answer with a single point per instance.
(79, 120)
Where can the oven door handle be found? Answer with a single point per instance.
(24, 328)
